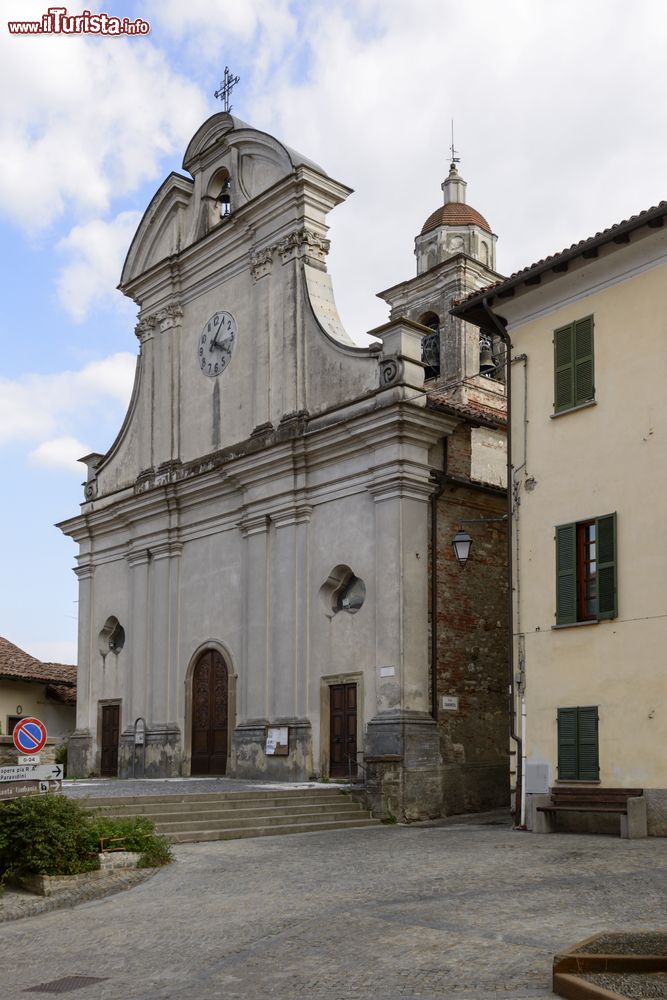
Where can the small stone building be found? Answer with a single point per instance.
(258, 595)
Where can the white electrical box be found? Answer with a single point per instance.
(538, 777)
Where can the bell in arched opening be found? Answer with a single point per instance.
(431, 345)
(487, 365)
(224, 200)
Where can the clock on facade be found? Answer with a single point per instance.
(216, 343)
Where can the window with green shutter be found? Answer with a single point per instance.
(578, 755)
(586, 571)
(574, 381)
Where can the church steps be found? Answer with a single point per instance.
(268, 831)
(160, 815)
(188, 818)
(233, 799)
(234, 822)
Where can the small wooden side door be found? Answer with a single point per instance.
(343, 730)
(210, 697)
(110, 737)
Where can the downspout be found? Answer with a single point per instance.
(521, 676)
(505, 337)
(434, 582)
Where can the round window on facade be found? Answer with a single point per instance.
(342, 591)
(112, 637)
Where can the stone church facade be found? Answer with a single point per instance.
(259, 594)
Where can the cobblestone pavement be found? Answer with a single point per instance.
(472, 912)
(15, 904)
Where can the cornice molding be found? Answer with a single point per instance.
(296, 514)
(253, 524)
(138, 557)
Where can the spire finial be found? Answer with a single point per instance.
(224, 92)
(455, 158)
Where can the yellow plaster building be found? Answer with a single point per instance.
(589, 440)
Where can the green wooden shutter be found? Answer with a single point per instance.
(584, 383)
(567, 744)
(564, 368)
(605, 534)
(587, 744)
(566, 575)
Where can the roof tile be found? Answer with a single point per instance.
(455, 213)
(17, 665)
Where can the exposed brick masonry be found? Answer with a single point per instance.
(472, 644)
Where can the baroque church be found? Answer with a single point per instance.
(267, 585)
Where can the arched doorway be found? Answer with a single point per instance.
(210, 714)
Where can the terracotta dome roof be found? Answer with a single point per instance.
(455, 213)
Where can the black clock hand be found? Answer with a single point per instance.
(225, 345)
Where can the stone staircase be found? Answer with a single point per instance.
(233, 815)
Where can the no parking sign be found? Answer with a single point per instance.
(29, 736)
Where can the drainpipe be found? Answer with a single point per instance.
(522, 650)
(499, 328)
(434, 583)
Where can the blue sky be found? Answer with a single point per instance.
(560, 121)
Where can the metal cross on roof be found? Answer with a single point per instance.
(224, 92)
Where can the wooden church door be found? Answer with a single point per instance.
(110, 737)
(343, 730)
(210, 689)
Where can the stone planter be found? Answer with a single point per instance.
(611, 966)
(50, 885)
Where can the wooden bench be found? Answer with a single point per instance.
(628, 803)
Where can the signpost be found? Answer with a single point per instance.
(32, 772)
(28, 776)
(29, 736)
(14, 789)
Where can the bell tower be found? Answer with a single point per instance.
(456, 255)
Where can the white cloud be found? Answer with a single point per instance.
(41, 408)
(85, 120)
(556, 141)
(261, 30)
(97, 251)
(60, 453)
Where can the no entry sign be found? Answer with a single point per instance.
(29, 735)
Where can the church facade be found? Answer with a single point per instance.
(266, 582)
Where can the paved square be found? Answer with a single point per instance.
(469, 911)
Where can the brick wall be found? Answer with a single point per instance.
(472, 645)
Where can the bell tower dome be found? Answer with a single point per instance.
(455, 227)
(456, 254)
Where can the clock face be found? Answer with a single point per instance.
(216, 343)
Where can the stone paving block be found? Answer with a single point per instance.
(466, 912)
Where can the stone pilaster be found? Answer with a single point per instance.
(80, 759)
(136, 702)
(402, 744)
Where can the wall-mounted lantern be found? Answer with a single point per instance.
(462, 542)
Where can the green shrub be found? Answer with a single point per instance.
(128, 833)
(46, 835)
(61, 756)
(133, 833)
(156, 854)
